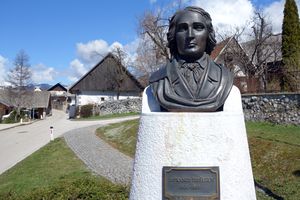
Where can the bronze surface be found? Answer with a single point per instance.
(191, 183)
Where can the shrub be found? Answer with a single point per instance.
(86, 110)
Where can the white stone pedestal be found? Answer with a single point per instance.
(193, 140)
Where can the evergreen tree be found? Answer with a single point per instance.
(291, 46)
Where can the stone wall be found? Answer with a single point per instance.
(276, 108)
(120, 106)
(281, 108)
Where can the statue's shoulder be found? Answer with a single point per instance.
(226, 71)
(158, 75)
(222, 67)
(218, 70)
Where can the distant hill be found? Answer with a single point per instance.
(42, 86)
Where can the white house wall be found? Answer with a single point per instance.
(58, 93)
(96, 97)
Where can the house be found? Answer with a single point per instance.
(5, 107)
(37, 102)
(270, 63)
(40, 103)
(60, 97)
(107, 80)
(231, 54)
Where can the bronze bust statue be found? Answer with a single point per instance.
(191, 81)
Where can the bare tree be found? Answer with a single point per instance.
(154, 26)
(234, 56)
(261, 49)
(117, 71)
(153, 48)
(264, 47)
(148, 59)
(19, 77)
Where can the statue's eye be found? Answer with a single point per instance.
(198, 26)
(182, 27)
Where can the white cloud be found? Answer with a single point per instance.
(73, 79)
(114, 46)
(3, 66)
(227, 14)
(43, 74)
(131, 49)
(274, 12)
(91, 51)
(78, 68)
(132, 46)
(152, 1)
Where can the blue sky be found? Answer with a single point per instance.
(58, 34)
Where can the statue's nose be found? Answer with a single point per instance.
(191, 33)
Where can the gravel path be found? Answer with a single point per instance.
(100, 157)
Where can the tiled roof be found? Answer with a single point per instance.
(218, 48)
(56, 86)
(30, 99)
(102, 77)
(4, 98)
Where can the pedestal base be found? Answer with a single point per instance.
(193, 140)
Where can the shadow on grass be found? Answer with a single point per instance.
(296, 173)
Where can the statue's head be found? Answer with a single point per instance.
(191, 34)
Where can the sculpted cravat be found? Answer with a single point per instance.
(192, 73)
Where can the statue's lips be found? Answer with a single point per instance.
(192, 45)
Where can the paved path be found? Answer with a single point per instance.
(8, 126)
(19, 142)
(99, 156)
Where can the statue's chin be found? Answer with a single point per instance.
(191, 57)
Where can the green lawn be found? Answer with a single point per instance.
(288, 134)
(121, 136)
(54, 172)
(274, 149)
(109, 116)
(275, 154)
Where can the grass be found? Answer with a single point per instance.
(274, 149)
(288, 134)
(54, 172)
(275, 154)
(109, 116)
(121, 136)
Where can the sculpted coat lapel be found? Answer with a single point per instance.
(207, 85)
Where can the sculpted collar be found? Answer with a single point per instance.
(172, 72)
(202, 61)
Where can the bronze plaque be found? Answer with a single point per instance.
(191, 183)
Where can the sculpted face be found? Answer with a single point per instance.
(191, 36)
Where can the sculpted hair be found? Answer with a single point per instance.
(211, 40)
